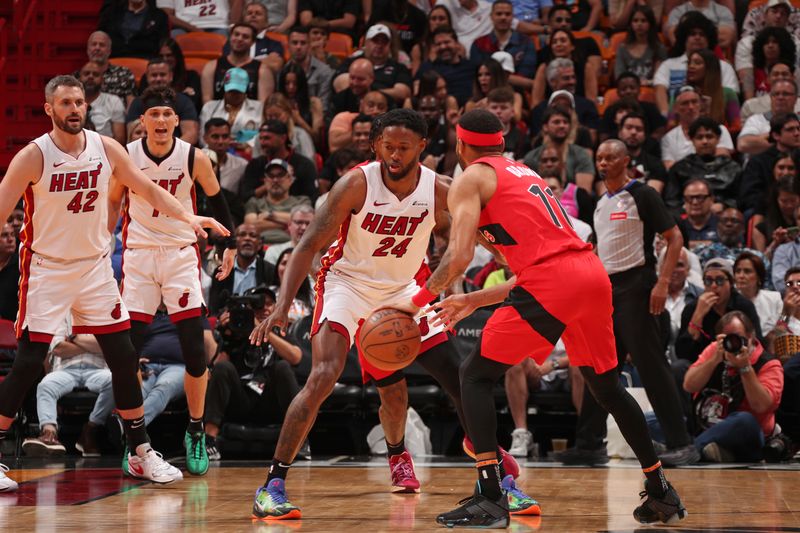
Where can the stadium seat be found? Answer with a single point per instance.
(196, 64)
(135, 64)
(201, 44)
(647, 94)
(339, 45)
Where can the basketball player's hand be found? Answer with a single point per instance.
(452, 309)
(198, 223)
(225, 269)
(275, 322)
(658, 297)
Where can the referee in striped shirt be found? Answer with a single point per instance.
(626, 220)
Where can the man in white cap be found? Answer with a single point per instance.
(503, 38)
(391, 78)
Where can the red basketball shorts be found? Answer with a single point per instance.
(568, 297)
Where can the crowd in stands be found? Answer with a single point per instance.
(703, 93)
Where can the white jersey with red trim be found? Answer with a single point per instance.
(201, 13)
(66, 211)
(384, 244)
(146, 227)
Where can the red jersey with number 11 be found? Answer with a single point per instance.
(524, 219)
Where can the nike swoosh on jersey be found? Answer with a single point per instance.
(56, 165)
(378, 204)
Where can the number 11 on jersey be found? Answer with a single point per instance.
(548, 199)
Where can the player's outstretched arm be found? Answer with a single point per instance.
(457, 307)
(133, 178)
(205, 177)
(25, 168)
(345, 198)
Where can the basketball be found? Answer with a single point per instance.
(389, 339)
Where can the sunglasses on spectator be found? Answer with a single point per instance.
(793, 283)
(719, 282)
(699, 198)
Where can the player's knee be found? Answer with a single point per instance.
(605, 387)
(196, 365)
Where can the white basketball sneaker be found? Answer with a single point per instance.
(153, 467)
(521, 442)
(6, 483)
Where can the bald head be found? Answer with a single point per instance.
(362, 74)
(612, 162)
(98, 47)
(617, 146)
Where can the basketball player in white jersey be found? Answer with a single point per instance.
(65, 265)
(161, 260)
(384, 213)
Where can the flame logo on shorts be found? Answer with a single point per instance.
(183, 301)
(117, 312)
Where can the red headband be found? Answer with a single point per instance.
(479, 139)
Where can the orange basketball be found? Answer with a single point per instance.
(389, 339)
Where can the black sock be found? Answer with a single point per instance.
(195, 426)
(396, 449)
(489, 479)
(135, 433)
(210, 440)
(656, 480)
(277, 470)
(3, 433)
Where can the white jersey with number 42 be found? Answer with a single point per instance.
(146, 227)
(66, 211)
(384, 244)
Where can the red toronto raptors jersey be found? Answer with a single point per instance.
(144, 226)
(384, 244)
(523, 219)
(66, 211)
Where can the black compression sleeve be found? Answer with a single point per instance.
(220, 211)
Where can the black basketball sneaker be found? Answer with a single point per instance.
(477, 511)
(667, 508)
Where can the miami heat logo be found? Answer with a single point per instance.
(116, 314)
(183, 301)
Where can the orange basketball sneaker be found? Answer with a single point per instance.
(510, 465)
(404, 480)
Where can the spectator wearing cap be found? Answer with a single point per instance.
(758, 17)
(405, 18)
(135, 27)
(159, 75)
(503, 38)
(784, 132)
(261, 80)
(270, 213)
(273, 139)
(242, 113)
(360, 79)
(373, 103)
(560, 74)
(457, 70)
(700, 317)
(722, 173)
(391, 77)
(318, 74)
(264, 49)
(340, 15)
(230, 167)
(677, 143)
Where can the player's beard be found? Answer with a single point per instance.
(397, 176)
(66, 127)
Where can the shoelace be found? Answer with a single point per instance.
(197, 447)
(277, 496)
(160, 465)
(405, 470)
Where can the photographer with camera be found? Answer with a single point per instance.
(249, 384)
(736, 387)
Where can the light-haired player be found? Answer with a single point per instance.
(161, 260)
(65, 266)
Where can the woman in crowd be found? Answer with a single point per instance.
(135, 130)
(771, 45)
(562, 44)
(704, 74)
(277, 107)
(183, 80)
(433, 83)
(307, 110)
(303, 303)
(772, 230)
(491, 75)
(749, 276)
(642, 52)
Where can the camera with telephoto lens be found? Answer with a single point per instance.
(733, 343)
(242, 310)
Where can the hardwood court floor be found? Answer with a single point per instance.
(355, 498)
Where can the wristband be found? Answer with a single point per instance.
(423, 297)
(698, 328)
(745, 369)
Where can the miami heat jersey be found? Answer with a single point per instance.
(201, 13)
(523, 219)
(146, 227)
(70, 197)
(384, 244)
